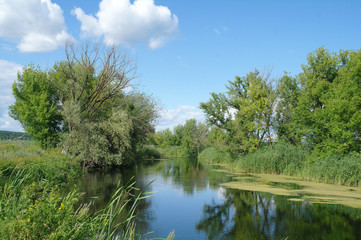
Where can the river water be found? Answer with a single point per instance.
(187, 198)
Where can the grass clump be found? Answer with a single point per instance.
(285, 158)
(336, 169)
(46, 165)
(279, 158)
(39, 211)
(33, 204)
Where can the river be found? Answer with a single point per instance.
(189, 199)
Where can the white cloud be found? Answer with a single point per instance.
(8, 76)
(34, 25)
(126, 23)
(172, 117)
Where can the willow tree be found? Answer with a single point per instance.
(91, 83)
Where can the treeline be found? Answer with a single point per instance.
(319, 109)
(85, 105)
(308, 124)
(9, 135)
(186, 140)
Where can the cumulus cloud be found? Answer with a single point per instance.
(126, 23)
(34, 25)
(172, 117)
(8, 76)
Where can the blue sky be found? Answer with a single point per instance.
(184, 50)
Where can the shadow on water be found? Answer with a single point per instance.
(188, 199)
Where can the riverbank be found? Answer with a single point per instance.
(284, 158)
(33, 204)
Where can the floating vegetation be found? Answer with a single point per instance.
(297, 189)
(286, 185)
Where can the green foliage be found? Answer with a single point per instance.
(252, 100)
(83, 100)
(186, 140)
(280, 158)
(288, 93)
(318, 110)
(8, 135)
(37, 211)
(49, 165)
(336, 169)
(172, 152)
(33, 204)
(36, 106)
(328, 111)
(100, 143)
(148, 152)
(212, 155)
(193, 137)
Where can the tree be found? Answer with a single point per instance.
(316, 80)
(288, 92)
(36, 106)
(194, 137)
(252, 101)
(106, 124)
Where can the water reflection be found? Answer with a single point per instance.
(189, 200)
(265, 216)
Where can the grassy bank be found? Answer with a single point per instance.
(284, 158)
(32, 205)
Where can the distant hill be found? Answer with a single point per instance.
(8, 135)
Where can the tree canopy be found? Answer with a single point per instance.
(83, 105)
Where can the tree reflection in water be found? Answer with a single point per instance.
(265, 216)
(235, 214)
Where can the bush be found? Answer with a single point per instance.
(212, 155)
(173, 152)
(148, 152)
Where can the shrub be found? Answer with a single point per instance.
(212, 155)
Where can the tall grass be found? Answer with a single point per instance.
(47, 165)
(285, 158)
(33, 205)
(345, 170)
(38, 211)
(279, 158)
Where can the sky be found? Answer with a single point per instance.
(184, 49)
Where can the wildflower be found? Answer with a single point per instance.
(30, 209)
(61, 206)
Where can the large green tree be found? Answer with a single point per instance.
(328, 112)
(288, 92)
(36, 105)
(87, 101)
(105, 122)
(245, 112)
